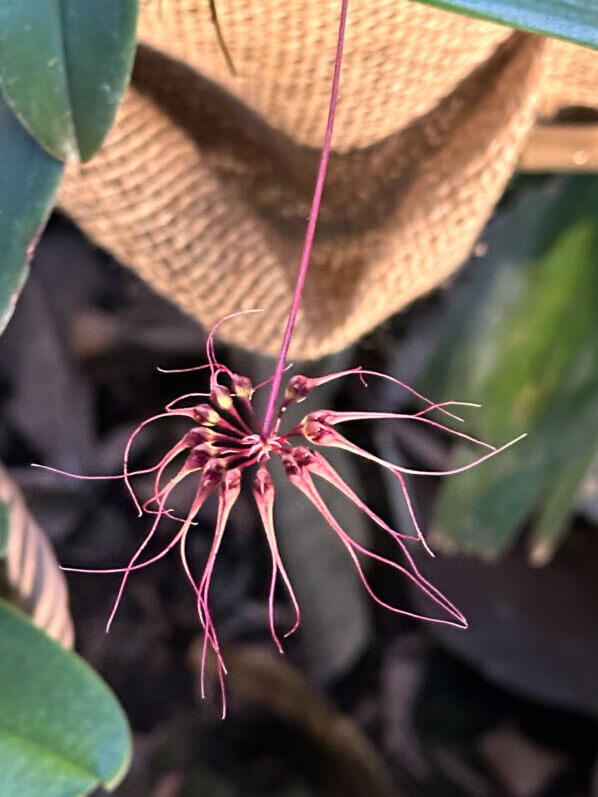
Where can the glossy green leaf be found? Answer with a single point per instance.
(572, 20)
(29, 178)
(62, 733)
(64, 65)
(522, 339)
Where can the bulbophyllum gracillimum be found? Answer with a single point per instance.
(228, 448)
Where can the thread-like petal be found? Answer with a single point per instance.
(263, 493)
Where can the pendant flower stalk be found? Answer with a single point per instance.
(226, 439)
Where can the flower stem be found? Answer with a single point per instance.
(311, 228)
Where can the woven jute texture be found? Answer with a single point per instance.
(204, 184)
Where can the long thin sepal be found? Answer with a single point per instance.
(301, 478)
(263, 493)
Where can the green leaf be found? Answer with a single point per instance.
(522, 339)
(62, 732)
(572, 20)
(560, 495)
(29, 178)
(479, 511)
(64, 65)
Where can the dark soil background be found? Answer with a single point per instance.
(365, 702)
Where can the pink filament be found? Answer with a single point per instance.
(336, 440)
(344, 417)
(228, 496)
(306, 485)
(322, 468)
(265, 505)
(126, 473)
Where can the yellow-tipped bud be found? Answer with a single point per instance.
(222, 398)
(243, 387)
(298, 388)
(206, 415)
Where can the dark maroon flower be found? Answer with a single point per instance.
(226, 439)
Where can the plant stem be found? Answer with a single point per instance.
(311, 228)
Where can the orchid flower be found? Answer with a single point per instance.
(226, 440)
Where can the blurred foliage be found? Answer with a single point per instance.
(99, 334)
(63, 69)
(574, 21)
(29, 178)
(522, 339)
(62, 733)
(61, 730)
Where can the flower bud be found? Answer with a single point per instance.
(205, 414)
(221, 397)
(314, 430)
(242, 386)
(298, 388)
(194, 437)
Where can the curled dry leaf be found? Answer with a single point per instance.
(28, 567)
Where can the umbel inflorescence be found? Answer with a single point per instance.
(226, 444)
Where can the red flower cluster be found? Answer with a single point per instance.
(226, 438)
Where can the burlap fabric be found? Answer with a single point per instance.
(203, 186)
